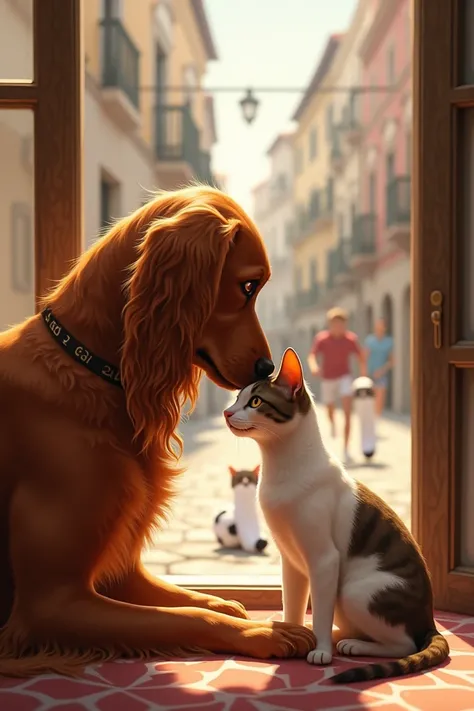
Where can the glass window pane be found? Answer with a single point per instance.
(17, 269)
(16, 40)
(467, 64)
(466, 149)
(466, 377)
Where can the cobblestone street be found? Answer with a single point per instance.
(187, 545)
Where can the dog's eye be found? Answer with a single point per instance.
(255, 402)
(249, 287)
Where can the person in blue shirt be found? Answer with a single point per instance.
(379, 359)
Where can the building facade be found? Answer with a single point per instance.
(145, 125)
(352, 187)
(313, 224)
(343, 283)
(386, 184)
(273, 214)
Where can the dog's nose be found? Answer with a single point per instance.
(263, 368)
(227, 414)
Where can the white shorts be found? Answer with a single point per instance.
(332, 390)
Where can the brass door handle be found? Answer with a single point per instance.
(436, 299)
(436, 321)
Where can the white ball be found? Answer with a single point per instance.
(225, 531)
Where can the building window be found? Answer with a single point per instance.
(329, 122)
(313, 143)
(299, 161)
(391, 66)
(313, 272)
(390, 167)
(340, 225)
(372, 193)
(21, 247)
(352, 218)
(161, 73)
(314, 204)
(109, 201)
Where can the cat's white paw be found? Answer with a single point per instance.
(349, 648)
(319, 656)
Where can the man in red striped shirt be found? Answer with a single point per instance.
(333, 349)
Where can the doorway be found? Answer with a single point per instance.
(443, 298)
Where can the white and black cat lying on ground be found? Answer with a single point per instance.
(338, 540)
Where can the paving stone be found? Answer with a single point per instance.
(202, 535)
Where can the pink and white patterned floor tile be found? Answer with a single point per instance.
(233, 684)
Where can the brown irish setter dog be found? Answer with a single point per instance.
(88, 468)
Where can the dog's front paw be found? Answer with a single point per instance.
(319, 656)
(228, 607)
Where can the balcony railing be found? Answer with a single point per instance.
(350, 121)
(399, 201)
(177, 139)
(342, 252)
(303, 222)
(120, 60)
(364, 235)
(326, 201)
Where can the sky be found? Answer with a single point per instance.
(263, 43)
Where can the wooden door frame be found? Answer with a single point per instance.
(55, 95)
(437, 100)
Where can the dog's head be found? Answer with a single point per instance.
(191, 304)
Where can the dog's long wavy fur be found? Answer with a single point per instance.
(141, 284)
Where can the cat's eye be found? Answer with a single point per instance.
(255, 402)
(249, 287)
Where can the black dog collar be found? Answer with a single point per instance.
(79, 352)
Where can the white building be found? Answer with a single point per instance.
(273, 214)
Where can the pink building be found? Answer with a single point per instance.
(385, 190)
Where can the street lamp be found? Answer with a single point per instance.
(249, 105)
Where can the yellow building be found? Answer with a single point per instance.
(314, 231)
(146, 125)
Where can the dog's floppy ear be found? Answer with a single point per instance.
(171, 295)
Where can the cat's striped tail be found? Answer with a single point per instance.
(434, 651)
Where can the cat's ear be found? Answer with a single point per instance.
(232, 471)
(256, 471)
(290, 375)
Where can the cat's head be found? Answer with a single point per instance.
(244, 477)
(269, 409)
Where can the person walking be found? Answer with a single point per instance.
(379, 357)
(333, 349)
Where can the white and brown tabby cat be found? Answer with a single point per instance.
(338, 540)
